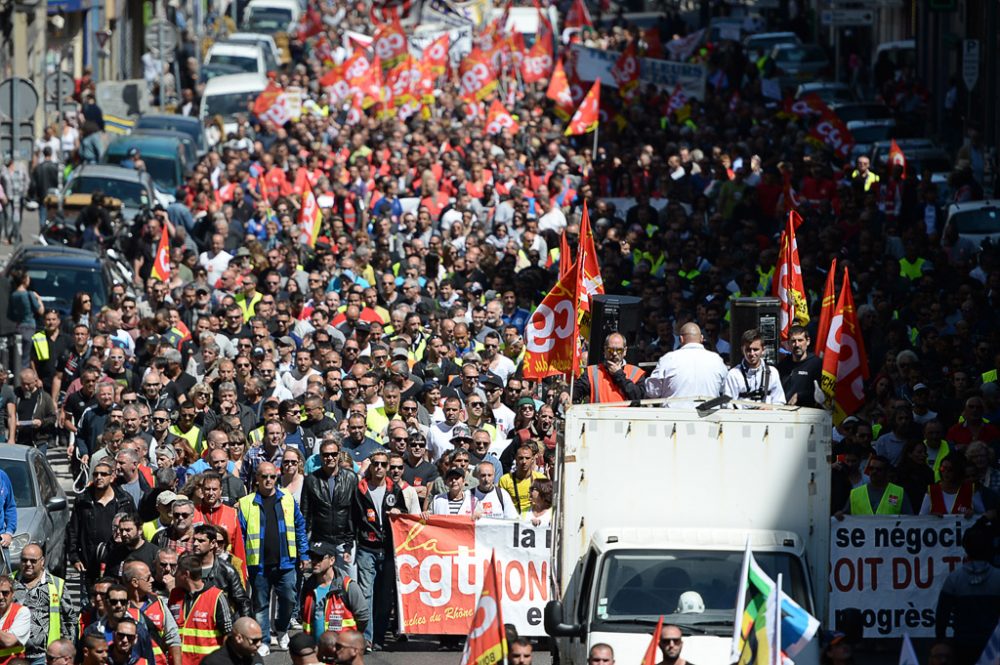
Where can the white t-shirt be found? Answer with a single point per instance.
(492, 504)
(504, 367)
(215, 264)
(690, 371)
(439, 440)
(553, 220)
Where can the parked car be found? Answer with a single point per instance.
(188, 148)
(265, 41)
(250, 58)
(271, 16)
(798, 63)
(58, 272)
(975, 221)
(208, 72)
(760, 44)
(859, 111)
(868, 132)
(42, 507)
(133, 188)
(921, 155)
(178, 123)
(229, 96)
(828, 91)
(163, 155)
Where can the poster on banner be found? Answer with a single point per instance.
(593, 63)
(891, 570)
(440, 565)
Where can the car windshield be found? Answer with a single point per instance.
(800, 54)
(851, 112)
(270, 19)
(188, 128)
(20, 480)
(243, 63)
(227, 105)
(764, 43)
(57, 284)
(131, 194)
(164, 173)
(644, 584)
(977, 222)
(871, 133)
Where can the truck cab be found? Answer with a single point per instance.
(664, 533)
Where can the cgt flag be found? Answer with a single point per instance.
(896, 156)
(487, 642)
(550, 336)
(654, 644)
(827, 307)
(310, 218)
(161, 266)
(845, 364)
(586, 117)
(788, 286)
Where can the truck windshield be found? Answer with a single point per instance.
(641, 585)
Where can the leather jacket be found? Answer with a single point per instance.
(224, 576)
(329, 519)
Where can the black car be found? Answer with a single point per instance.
(59, 272)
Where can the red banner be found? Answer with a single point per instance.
(550, 336)
(390, 44)
(833, 133)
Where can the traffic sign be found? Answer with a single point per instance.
(158, 30)
(845, 17)
(102, 37)
(25, 139)
(20, 92)
(59, 83)
(970, 62)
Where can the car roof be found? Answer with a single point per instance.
(244, 36)
(109, 172)
(235, 48)
(173, 118)
(277, 4)
(234, 83)
(772, 35)
(18, 453)
(963, 207)
(166, 133)
(824, 85)
(55, 255)
(150, 143)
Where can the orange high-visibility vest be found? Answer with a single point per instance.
(156, 614)
(603, 389)
(199, 634)
(336, 616)
(10, 653)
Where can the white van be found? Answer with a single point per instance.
(229, 96)
(249, 58)
(271, 16)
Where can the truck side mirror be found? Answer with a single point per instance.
(554, 625)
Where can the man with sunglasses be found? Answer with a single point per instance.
(377, 497)
(344, 648)
(89, 532)
(52, 615)
(417, 471)
(240, 647)
(328, 501)
(275, 537)
(671, 643)
(140, 645)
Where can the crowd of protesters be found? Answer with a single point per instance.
(248, 424)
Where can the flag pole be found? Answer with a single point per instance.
(597, 130)
(778, 660)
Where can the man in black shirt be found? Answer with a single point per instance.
(417, 471)
(801, 371)
(47, 346)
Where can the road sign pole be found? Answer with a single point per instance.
(14, 122)
(163, 66)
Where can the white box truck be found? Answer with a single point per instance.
(654, 503)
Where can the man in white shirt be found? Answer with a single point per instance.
(216, 259)
(488, 500)
(503, 415)
(689, 371)
(753, 379)
(439, 437)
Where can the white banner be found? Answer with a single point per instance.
(892, 569)
(439, 572)
(592, 63)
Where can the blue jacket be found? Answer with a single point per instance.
(301, 541)
(9, 505)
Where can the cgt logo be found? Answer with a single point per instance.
(550, 325)
(389, 46)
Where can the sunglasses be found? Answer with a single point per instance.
(101, 474)
(417, 444)
(268, 476)
(117, 601)
(395, 467)
(182, 515)
(380, 464)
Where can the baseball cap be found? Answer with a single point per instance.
(363, 326)
(285, 340)
(166, 498)
(322, 549)
(525, 401)
(400, 352)
(491, 379)
(920, 386)
(301, 645)
(460, 431)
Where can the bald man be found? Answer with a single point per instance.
(240, 647)
(344, 648)
(689, 371)
(612, 379)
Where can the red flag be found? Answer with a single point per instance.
(550, 336)
(499, 120)
(896, 156)
(487, 641)
(826, 307)
(564, 256)
(477, 77)
(678, 98)
(833, 133)
(589, 281)
(652, 651)
(310, 24)
(310, 218)
(787, 285)
(585, 119)
(537, 62)
(578, 16)
(559, 92)
(789, 196)
(390, 44)
(161, 264)
(625, 71)
(845, 364)
(436, 55)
